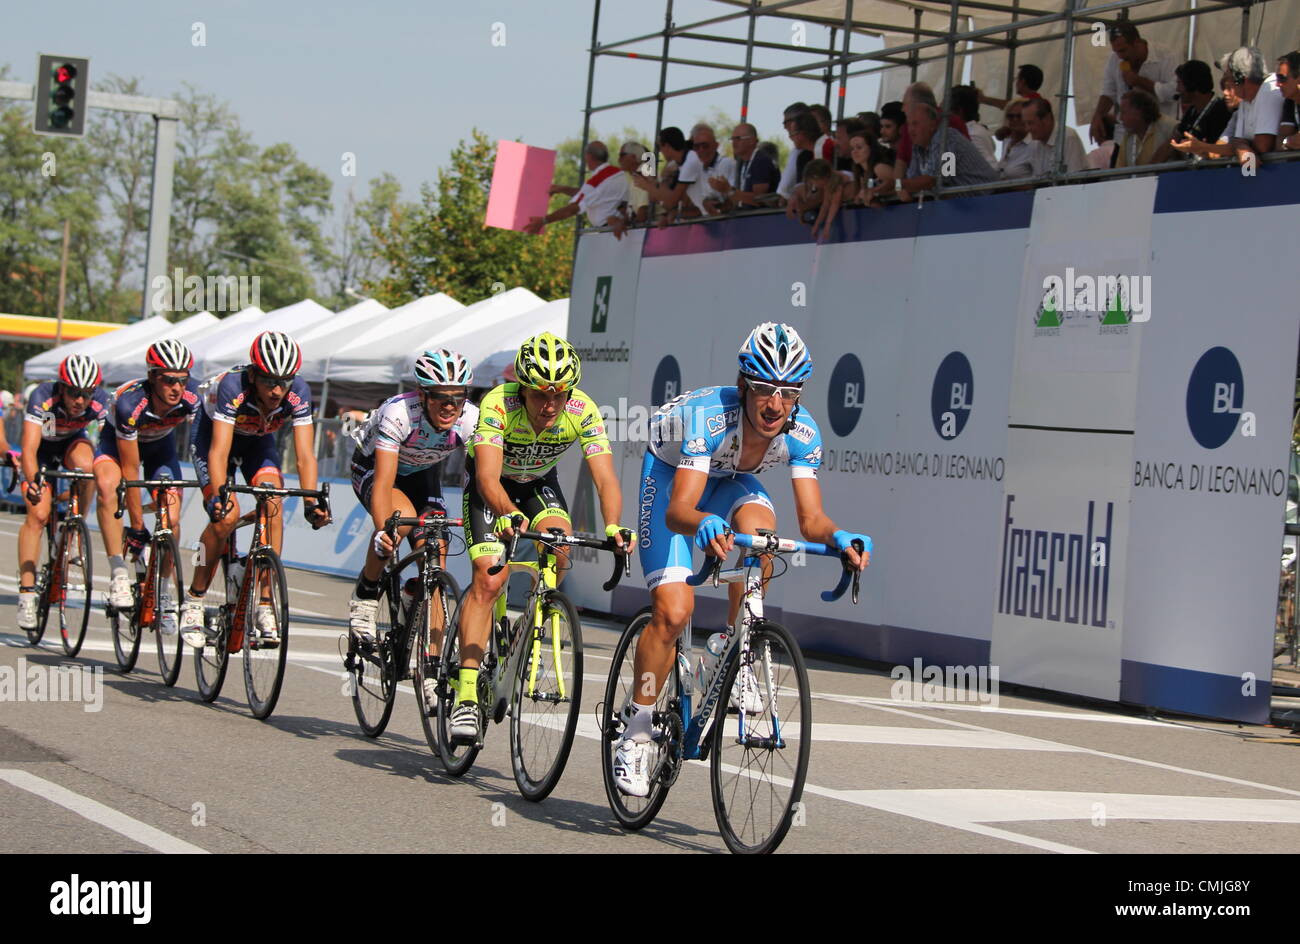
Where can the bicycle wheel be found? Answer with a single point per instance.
(757, 782)
(44, 576)
(169, 587)
(126, 633)
(211, 662)
(457, 758)
(374, 670)
(264, 664)
(75, 587)
(423, 628)
(636, 812)
(547, 697)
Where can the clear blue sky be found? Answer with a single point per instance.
(399, 82)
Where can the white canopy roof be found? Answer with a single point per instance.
(230, 347)
(126, 362)
(376, 354)
(490, 369)
(479, 330)
(45, 365)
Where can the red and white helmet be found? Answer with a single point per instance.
(169, 354)
(275, 354)
(80, 371)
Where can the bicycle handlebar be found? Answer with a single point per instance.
(429, 522)
(321, 494)
(771, 544)
(152, 485)
(556, 536)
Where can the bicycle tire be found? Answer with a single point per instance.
(41, 586)
(263, 665)
(739, 805)
(126, 634)
(536, 778)
(374, 674)
(171, 649)
(418, 626)
(212, 661)
(76, 588)
(456, 758)
(632, 813)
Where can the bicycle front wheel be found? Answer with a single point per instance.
(373, 670)
(126, 636)
(427, 623)
(547, 698)
(264, 655)
(211, 662)
(760, 759)
(74, 585)
(637, 812)
(169, 585)
(457, 757)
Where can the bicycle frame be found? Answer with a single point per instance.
(427, 556)
(543, 575)
(55, 524)
(259, 518)
(158, 490)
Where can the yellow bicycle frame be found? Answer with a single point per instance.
(549, 580)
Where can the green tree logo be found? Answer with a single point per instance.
(600, 307)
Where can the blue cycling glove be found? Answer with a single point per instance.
(710, 528)
(844, 540)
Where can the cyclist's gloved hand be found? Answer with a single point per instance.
(710, 528)
(507, 522)
(216, 508)
(844, 542)
(316, 512)
(34, 490)
(383, 544)
(136, 539)
(619, 534)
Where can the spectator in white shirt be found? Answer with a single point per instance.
(966, 102)
(601, 195)
(1259, 117)
(1134, 65)
(1016, 149)
(790, 173)
(1041, 127)
(631, 157)
(708, 162)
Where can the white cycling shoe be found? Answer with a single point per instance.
(268, 626)
(119, 592)
(26, 610)
(166, 615)
(632, 767)
(745, 695)
(464, 720)
(361, 617)
(192, 623)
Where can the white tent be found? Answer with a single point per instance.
(230, 347)
(490, 369)
(45, 365)
(126, 362)
(377, 354)
(478, 330)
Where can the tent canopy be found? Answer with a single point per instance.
(230, 347)
(479, 330)
(45, 365)
(490, 369)
(376, 355)
(126, 362)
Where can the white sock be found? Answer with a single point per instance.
(117, 565)
(638, 722)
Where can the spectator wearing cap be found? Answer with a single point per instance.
(1148, 135)
(631, 158)
(1205, 114)
(966, 102)
(790, 173)
(1029, 79)
(1288, 80)
(1133, 64)
(928, 163)
(756, 175)
(1258, 120)
(705, 161)
(600, 196)
(1016, 148)
(1040, 124)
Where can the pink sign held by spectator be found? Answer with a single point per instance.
(520, 179)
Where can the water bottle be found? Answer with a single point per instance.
(234, 577)
(713, 650)
(684, 670)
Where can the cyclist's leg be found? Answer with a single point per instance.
(748, 507)
(80, 457)
(108, 473)
(158, 460)
(212, 541)
(260, 463)
(484, 551)
(363, 607)
(32, 530)
(545, 507)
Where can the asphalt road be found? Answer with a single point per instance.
(154, 769)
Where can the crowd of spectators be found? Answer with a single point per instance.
(1151, 110)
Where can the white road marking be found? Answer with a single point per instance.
(97, 812)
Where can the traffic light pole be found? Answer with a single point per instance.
(166, 114)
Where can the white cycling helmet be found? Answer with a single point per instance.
(80, 371)
(443, 368)
(169, 354)
(776, 354)
(275, 354)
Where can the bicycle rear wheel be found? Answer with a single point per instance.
(264, 663)
(374, 671)
(211, 662)
(427, 623)
(757, 780)
(75, 587)
(547, 698)
(637, 812)
(169, 587)
(457, 758)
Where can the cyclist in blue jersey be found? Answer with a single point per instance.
(699, 477)
(54, 432)
(140, 434)
(243, 408)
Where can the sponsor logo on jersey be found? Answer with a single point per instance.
(718, 423)
(815, 456)
(697, 446)
(576, 407)
(493, 422)
(594, 431)
(593, 449)
(802, 433)
(587, 421)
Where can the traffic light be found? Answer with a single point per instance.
(62, 90)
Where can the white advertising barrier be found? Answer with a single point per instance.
(1062, 533)
(1209, 466)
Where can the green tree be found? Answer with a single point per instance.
(358, 259)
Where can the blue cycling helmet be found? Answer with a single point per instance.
(776, 354)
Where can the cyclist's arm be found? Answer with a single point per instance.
(128, 455)
(381, 491)
(683, 517)
(223, 435)
(31, 442)
(304, 446)
(814, 523)
(488, 460)
(607, 487)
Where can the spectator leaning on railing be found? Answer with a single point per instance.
(1223, 146)
(1015, 162)
(804, 139)
(601, 195)
(1254, 129)
(1133, 65)
(790, 173)
(631, 157)
(756, 176)
(1205, 114)
(928, 163)
(1148, 135)
(669, 192)
(709, 162)
(1100, 157)
(966, 102)
(1288, 80)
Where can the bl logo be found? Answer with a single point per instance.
(600, 307)
(1215, 395)
(667, 382)
(846, 395)
(952, 395)
(350, 528)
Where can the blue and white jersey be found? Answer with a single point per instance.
(701, 430)
(133, 418)
(399, 425)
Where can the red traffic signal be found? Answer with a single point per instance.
(62, 90)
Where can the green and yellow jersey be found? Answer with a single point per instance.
(503, 424)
